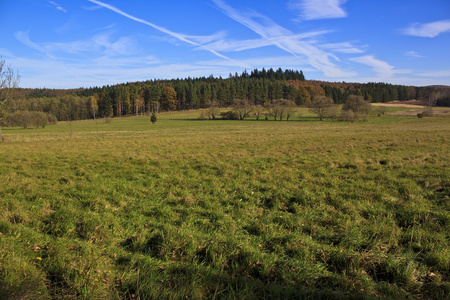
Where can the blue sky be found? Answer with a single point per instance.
(83, 43)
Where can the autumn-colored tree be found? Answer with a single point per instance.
(8, 81)
(213, 110)
(258, 111)
(356, 108)
(242, 108)
(321, 106)
(169, 98)
(281, 108)
(138, 103)
(93, 104)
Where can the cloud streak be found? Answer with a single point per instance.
(276, 35)
(57, 6)
(101, 43)
(429, 30)
(413, 54)
(318, 9)
(191, 40)
(382, 68)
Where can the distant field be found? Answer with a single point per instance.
(226, 209)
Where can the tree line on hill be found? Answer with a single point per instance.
(258, 88)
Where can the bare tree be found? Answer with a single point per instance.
(355, 108)
(242, 108)
(281, 108)
(213, 110)
(8, 81)
(321, 106)
(258, 111)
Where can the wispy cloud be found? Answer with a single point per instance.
(344, 47)
(429, 30)
(57, 6)
(318, 9)
(382, 68)
(437, 74)
(229, 45)
(192, 40)
(413, 54)
(100, 44)
(23, 37)
(276, 35)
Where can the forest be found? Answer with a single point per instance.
(259, 87)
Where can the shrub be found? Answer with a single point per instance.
(358, 106)
(321, 106)
(51, 119)
(153, 118)
(26, 119)
(229, 115)
(381, 110)
(427, 113)
(348, 116)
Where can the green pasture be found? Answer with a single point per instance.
(188, 208)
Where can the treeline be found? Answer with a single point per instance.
(258, 87)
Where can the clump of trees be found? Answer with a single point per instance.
(259, 93)
(356, 109)
(324, 107)
(281, 108)
(242, 109)
(27, 119)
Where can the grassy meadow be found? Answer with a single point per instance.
(185, 208)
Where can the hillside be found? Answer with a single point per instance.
(257, 87)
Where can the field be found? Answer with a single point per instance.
(218, 209)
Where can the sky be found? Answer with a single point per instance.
(86, 43)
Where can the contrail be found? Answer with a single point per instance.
(176, 35)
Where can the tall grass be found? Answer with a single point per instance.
(226, 209)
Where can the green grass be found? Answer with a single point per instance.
(226, 209)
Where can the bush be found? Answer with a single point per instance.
(381, 110)
(427, 113)
(153, 118)
(321, 106)
(26, 119)
(229, 115)
(358, 106)
(348, 116)
(51, 119)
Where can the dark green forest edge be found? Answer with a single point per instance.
(259, 88)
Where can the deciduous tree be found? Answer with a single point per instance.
(93, 105)
(242, 108)
(321, 106)
(9, 79)
(169, 98)
(357, 107)
(281, 108)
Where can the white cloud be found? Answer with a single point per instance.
(413, 54)
(382, 68)
(227, 45)
(318, 9)
(276, 35)
(437, 74)
(101, 44)
(192, 40)
(344, 47)
(429, 30)
(57, 6)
